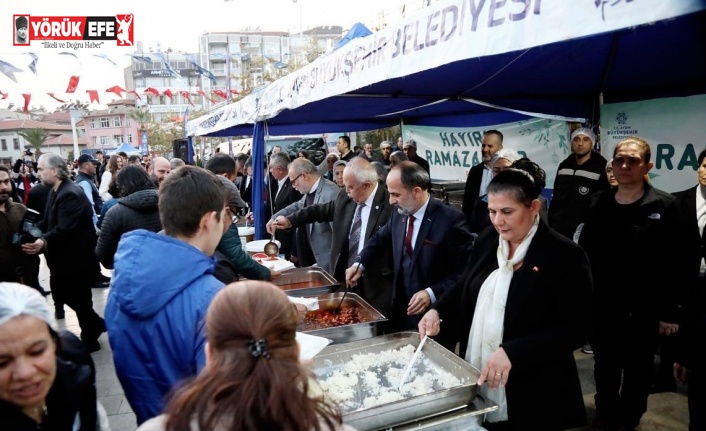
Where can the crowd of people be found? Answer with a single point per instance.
(514, 285)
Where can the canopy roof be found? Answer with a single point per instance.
(453, 65)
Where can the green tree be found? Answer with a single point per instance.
(142, 116)
(36, 138)
(376, 136)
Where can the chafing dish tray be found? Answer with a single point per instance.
(308, 281)
(367, 328)
(434, 361)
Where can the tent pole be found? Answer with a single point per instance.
(258, 179)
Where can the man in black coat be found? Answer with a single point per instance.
(68, 244)
(280, 196)
(361, 188)
(430, 245)
(480, 175)
(689, 268)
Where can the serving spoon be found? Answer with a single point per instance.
(414, 359)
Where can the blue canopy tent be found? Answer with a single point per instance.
(534, 61)
(127, 149)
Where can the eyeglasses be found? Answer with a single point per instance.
(231, 214)
(295, 180)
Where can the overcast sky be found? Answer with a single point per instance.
(162, 24)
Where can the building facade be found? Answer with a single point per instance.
(60, 141)
(143, 75)
(109, 128)
(244, 60)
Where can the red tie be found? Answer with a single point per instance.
(408, 238)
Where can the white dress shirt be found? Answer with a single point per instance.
(418, 217)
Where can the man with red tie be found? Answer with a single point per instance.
(430, 241)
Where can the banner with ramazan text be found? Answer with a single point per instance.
(674, 128)
(453, 151)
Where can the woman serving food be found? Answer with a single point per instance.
(521, 309)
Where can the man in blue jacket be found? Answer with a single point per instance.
(162, 286)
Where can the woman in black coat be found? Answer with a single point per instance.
(520, 310)
(136, 209)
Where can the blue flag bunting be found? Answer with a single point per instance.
(33, 65)
(200, 69)
(9, 70)
(167, 66)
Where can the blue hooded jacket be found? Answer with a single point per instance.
(155, 316)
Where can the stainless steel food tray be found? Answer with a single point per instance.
(319, 281)
(410, 409)
(348, 333)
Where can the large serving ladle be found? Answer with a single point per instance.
(271, 249)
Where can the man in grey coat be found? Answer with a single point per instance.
(313, 240)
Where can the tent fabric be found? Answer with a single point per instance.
(356, 31)
(562, 76)
(622, 51)
(125, 147)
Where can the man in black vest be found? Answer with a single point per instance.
(86, 180)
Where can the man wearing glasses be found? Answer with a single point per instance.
(359, 210)
(313, 241)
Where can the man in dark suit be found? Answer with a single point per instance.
(688, 250)
(480, 175)
(359, 211)
(280, 196)
(430, 241)
(69, 244)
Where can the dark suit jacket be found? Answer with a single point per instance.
(440, 252)
(687, 250)
(547, 317)
(377, 279)
(470, 193)
(69, 231)
(286, 196)
(245, 192)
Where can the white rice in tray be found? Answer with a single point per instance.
(371, 379)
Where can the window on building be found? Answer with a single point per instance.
(157, 65)
(94, 123)
(16, 143)
(3, 142)
(129, 139)
(95, 141)
(129, 123)
(105, 140)
(162, 100)
(118, 139)
(105, 122)
(117, 122)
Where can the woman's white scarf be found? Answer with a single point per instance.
(487, 327)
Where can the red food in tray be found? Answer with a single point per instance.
(321, 319)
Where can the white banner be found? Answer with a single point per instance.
(442, 33)
(674, 128)
(452, 152)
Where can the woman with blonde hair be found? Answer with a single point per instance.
(253, 379)
(114, 164)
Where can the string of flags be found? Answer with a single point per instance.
(117, 90)
(10, 70)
